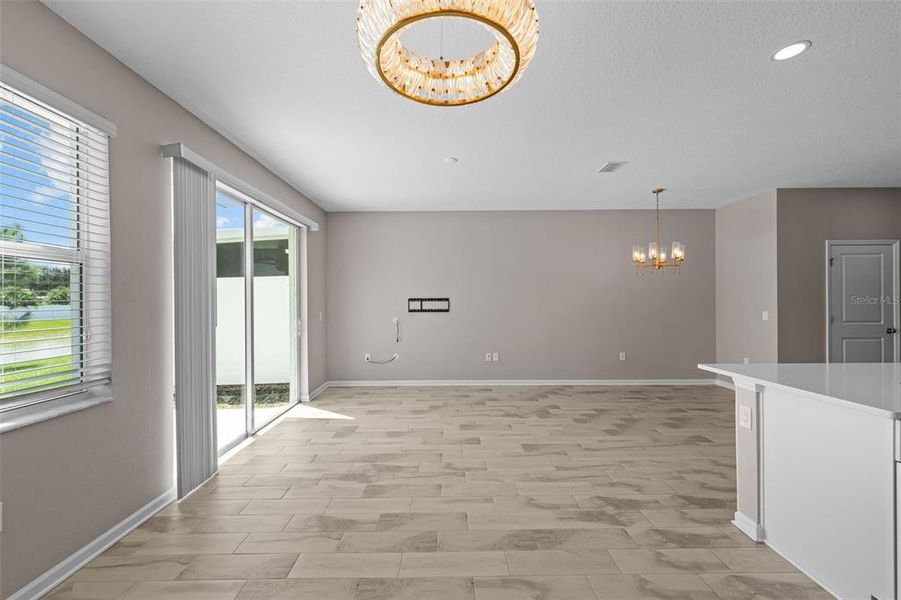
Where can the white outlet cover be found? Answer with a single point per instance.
(744, 416)
(622, 356)
(747, 360)
(495, 357)
(765, 315)
(487, 357)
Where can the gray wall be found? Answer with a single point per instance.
(316, 327)
(806, 219)
(67, 480)
(746, 280)
(554, 293)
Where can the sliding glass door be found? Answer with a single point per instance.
(231, 321)
(274, 332)
(256, 320)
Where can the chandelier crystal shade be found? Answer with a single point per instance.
(434, 80)
(656, 258)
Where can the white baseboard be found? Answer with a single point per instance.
(499, 382)
(806, 571)
(493, 382)
(58, 573)
(756, 532)
(748, 526)
(318, 390)
(724, 384)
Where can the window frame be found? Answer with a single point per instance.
(58, 255)
(82, 390)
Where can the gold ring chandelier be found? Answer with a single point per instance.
(437, 81)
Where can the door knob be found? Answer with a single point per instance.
(891, 330)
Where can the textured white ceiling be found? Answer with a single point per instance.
(684, 91)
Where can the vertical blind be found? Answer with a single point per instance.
(55, 329)
(194, 219)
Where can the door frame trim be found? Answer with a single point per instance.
(896, 288)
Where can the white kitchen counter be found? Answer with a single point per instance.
(818, 454)
(872, 387)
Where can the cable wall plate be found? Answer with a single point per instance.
(440, 305)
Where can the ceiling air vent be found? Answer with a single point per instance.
(611, 167)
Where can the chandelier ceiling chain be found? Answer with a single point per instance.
(655, 258)
(439, 81)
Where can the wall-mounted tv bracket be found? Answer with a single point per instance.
(441, 305)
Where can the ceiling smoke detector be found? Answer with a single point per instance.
(611, 167)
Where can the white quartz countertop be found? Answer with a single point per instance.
(873, 387)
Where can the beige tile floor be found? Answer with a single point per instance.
(469, 493)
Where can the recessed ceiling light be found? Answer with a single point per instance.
(450, 160)
(792, 50)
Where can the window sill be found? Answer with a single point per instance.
(23, 417)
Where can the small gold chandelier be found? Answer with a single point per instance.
(437, 81)
(655, 258)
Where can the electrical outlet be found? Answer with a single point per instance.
(487, 357)
(320, 316)
(747, 360)
(494, 357)
(744, 416)
(765, 315)
(622, 356)
(367, 357)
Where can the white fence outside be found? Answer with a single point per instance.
(273, 330)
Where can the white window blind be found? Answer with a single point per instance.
(55, 324)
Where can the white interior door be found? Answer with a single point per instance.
(862, 301)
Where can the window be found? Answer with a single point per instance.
(54, 254)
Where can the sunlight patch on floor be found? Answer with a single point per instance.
(305, 411)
